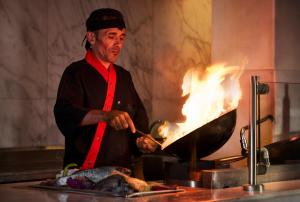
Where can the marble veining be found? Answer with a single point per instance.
(41, 39)
(23, 38)
(23, 122)
(181, 40)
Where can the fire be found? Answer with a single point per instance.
(210, 94)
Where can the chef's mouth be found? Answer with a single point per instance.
(115, 51)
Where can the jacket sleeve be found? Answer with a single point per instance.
(139, 118)
(68, 109)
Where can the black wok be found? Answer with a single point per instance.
(285, 150)
(206, 139)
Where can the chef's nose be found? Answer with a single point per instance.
(118, 41)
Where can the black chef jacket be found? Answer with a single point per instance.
(81, 89)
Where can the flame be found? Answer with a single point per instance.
(210, 94)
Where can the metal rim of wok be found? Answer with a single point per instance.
(206, 139)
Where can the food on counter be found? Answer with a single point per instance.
(68, 168)
(110, 179)
(118, 178)
(95, 175)
(135, 183)
(80, 183)
(115, 184)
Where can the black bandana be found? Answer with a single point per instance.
(105, 18)
(118, 23)
(102, 19)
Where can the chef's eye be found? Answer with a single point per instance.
(111, 36)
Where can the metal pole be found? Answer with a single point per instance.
(252, 141)
(252, 161)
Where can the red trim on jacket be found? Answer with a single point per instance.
(110, 76)
(92, 60)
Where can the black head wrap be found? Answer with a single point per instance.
(104, 18)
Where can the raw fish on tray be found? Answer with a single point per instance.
(115, 184)
(113, 180)
(95, 175)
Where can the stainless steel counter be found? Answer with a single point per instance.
(275, 192)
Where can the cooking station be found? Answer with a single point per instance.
(273, 171)
(246, 151)
(276, 191)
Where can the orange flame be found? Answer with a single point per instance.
(211, 94)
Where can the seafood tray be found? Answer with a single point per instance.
(101, 193)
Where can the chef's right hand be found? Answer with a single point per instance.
(120, 120)
(145, 145)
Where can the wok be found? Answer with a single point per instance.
(285, 150)
(206, 139)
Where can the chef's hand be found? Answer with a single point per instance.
(146, 145)
(120, 120)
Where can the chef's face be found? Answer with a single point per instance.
(107, 43)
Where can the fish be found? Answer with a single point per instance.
(114, 184)
(120, 184)
(95, 175)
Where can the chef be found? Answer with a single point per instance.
(97, 108)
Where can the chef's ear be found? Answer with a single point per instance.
(91, 37)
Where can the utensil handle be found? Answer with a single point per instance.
(148, 136)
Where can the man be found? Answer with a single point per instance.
(98, 109)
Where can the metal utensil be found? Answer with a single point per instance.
(148, 136)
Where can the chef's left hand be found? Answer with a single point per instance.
(146, 145)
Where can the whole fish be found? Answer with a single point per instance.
(95, 175)
(115, 184)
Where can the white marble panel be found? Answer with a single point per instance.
(23, 122)
(50, 36)
(137, 52)
(181, 40)
(23, 40)
(66, 30)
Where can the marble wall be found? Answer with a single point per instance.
(23, 73)
(66, 30)
(39, 38)
(181, 40)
